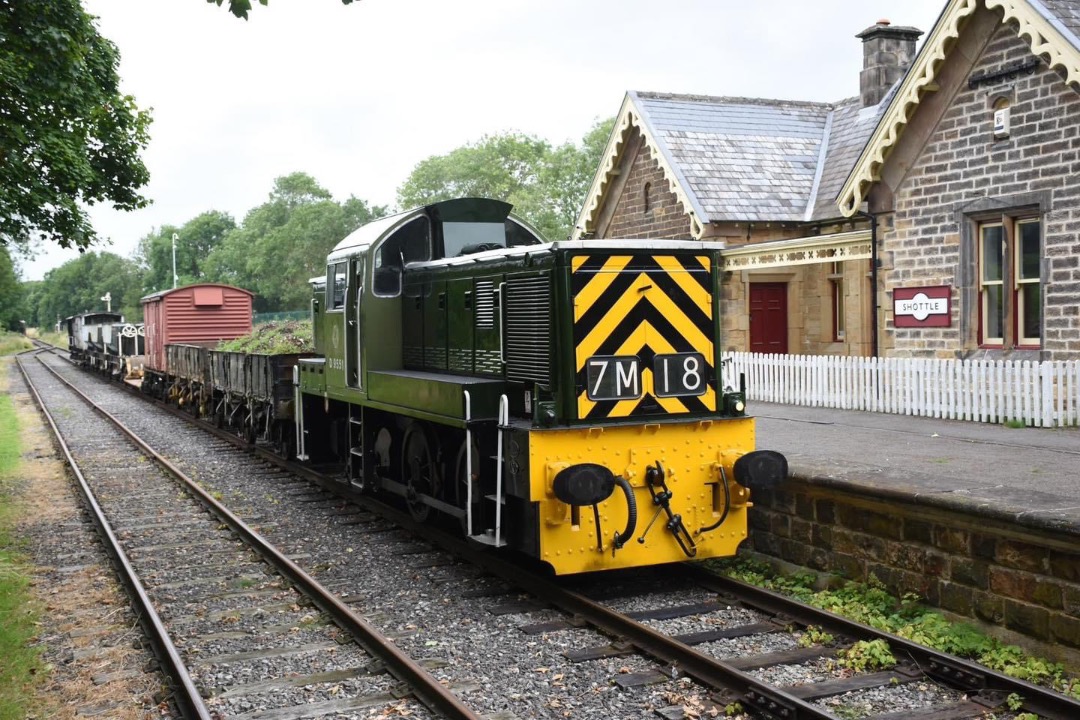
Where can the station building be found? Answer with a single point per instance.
(937, 214)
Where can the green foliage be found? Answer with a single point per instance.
(11, 343)
(546, 185)
(815, 636)
(12, 294)
(906, 617)
(241, 8)
(68, 137)
(195, 240)
(284, 242)
(56, 339)
(283, 316)
(78, 286)
(274, 338)
(867, 656)
(20, 663)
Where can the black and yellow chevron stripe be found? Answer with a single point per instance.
(642, 305)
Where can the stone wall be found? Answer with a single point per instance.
(665, 216)
(1012, 575)
(963, 170)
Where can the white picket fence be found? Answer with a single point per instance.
(1040, 394)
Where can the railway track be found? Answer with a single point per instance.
(598, 646)
(233, 635)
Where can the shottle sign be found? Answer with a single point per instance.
(922, 307)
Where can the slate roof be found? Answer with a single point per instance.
(1065, 12)
(754, 160)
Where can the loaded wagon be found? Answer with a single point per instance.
(192, 319)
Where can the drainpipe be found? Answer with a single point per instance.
(873, 281)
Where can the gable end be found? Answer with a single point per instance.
(1047, 39)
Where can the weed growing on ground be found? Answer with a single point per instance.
(870, 604)
(20, 664)
(867, 655)
(11, 343)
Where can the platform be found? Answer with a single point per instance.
(1029, 475)
(980, 520)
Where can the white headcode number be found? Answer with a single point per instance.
(619, 377)
(679, 374)
(613, 378)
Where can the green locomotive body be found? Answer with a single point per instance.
(544, 394)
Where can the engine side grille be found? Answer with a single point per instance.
(485, 304)
(527, 335)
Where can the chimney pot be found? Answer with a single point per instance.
(887, 53)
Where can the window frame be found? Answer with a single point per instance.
(332, 270)
(985, 340)
(1022, 339)
(839, 315)
(1012, 283)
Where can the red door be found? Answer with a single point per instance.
(768, 318)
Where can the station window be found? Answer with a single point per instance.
(646, 200)
(836, 280)
(1010, 282)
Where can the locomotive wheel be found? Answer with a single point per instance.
(418, 471)
(461, 484)
(382, 463)
(283, 441)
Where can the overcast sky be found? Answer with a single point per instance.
(357, 95)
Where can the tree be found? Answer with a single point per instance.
(68, 137)
(32, 291)
(545, 185)
(503, 166)
(12, 296)
(240, 8)
(284, 242)
(78, 286)
(195, 241)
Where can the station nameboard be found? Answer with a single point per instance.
(922, 307)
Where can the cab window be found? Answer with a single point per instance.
(465, 238)
(411, 243)
(337, 280)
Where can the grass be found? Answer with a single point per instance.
(11, 343)
(20, 664)
(56, 339)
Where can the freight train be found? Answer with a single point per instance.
(566, 399)
(104, 342)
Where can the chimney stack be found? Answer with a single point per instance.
(887, 53)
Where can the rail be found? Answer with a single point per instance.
(187, 696)
(427, 689)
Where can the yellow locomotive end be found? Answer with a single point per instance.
(672, 476)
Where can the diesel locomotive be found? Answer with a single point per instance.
(564, 399)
